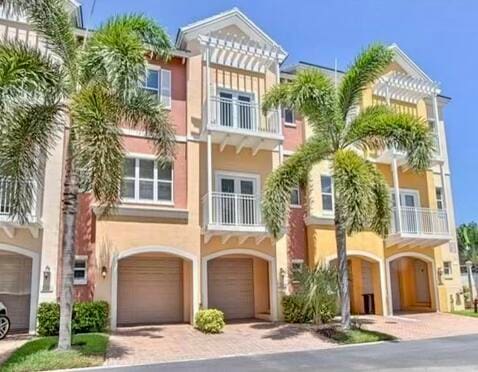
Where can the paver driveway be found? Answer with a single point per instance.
(138, 345)
(142, 345)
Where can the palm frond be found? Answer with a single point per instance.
(96, 142)
(311, 94)
(381, 212)
(379, 127)
(27, 133)
(50, 18)
(116, 52)
(353, 187)
(293, 171)
(145, 112)
(367, 67)
(27, 75)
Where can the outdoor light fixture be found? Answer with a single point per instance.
(104, 271)
(46, 279)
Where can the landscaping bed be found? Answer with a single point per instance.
(40, 354)
(353, 336)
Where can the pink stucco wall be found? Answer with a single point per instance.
(293, 136)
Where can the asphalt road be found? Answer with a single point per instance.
(444, 354)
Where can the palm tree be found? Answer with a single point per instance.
(88, 89)
(467, 235)
(340, 135)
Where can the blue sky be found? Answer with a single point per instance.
(441, 36)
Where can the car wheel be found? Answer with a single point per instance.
(4, 326)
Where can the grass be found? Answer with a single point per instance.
(355, 336)
(467, 313)
(40, 354)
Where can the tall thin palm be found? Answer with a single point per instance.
(467, 235)
(89, 91)
(343, 137)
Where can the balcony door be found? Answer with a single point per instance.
(238, 201)
(409, 204)
(236, 109)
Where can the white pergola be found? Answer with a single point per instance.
(401, 87)
(241, 52)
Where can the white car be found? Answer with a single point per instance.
(4, 321)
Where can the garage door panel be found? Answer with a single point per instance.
(231, 287)
(15, 288)
(150, 290)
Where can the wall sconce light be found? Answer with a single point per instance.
(440, 276)
(104, 271)
(46, 279)
(282, 278)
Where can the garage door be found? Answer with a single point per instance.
(150, 290)
(15, 284)
(231, 287)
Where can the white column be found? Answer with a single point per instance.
(208, 88)
(437, 122)
(396, 189)
(209, 177)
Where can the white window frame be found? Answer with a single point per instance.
(234, 102)
(84, 280)
(296, 261)
(298, 205)
(327, 212)
(237, 176)
(403, 193)
(155, 200)
(442, 198)
(292, 123)
(450, 268)
(160, 89)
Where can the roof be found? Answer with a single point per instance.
(223, 17)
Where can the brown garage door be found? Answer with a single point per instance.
(15, 284)
(231, 287)
(150, 290)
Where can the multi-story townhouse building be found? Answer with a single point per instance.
(191, 235)
(29, 253)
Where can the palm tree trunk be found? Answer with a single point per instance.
(341, 240)
(70, 202)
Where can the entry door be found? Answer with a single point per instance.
(238, 200)
(421, 282)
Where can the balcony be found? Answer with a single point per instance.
(235, 119)
(7, 224)
(418, 227)
(233, 214)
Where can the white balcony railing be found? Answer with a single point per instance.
(243, 116)
(420, 221)
(6, 190)
(230, 209)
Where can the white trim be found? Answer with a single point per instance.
(35, 280)
(151, 249)
(85, 280)
(382, 269)
(222, 173)
(415, 255)
(249, 252)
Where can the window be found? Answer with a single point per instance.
(447, 268)
(296, 269)
(327, 196)
(289, 117)
(144, 180)
(237, 109)
(80, 270)
(439, 197)
(158, 83)
(295, 197)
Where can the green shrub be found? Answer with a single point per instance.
(318, 289)
(210, 320)
(293, 308)
(88, 317)
(48, 319)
